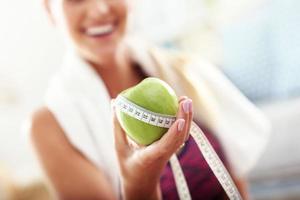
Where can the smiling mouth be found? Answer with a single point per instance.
(101, 30)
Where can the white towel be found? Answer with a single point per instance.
(81, 104)
(80, 101)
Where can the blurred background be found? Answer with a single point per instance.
(255, 42)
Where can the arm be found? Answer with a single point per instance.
(241, 183)
(70, 173)
(73, 177)
(242, 186)
(140, 168)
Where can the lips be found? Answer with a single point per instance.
(101, 30)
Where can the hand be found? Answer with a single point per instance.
(141, 167)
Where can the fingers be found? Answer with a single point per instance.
(186, 112)
(168, 144)
(176, 134)
(191, 117)
(182, 98)
(121, 142)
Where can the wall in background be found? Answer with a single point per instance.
(30, 52)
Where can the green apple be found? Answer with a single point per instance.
(154, 95)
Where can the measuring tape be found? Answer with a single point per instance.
(211, 157)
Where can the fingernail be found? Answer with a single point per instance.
(191, 105)
(182, 98)
(187, 106)
(181, 123)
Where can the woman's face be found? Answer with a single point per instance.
(95, 27)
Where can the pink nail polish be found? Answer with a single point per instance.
(187, 106)
(191, 106)
(181, 123)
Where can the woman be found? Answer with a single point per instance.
(73, 134)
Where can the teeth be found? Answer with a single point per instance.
(100, 30)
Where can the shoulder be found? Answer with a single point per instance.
(42, 119)
(60, 160)
(43, 126)
(48, 139)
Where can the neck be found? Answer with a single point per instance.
(111, 61)
(114, 64)
(117, 72)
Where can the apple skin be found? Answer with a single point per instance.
(154, 95)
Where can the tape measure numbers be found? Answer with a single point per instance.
(211, 157)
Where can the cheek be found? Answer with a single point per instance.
(68, 19)
(122, 10)
(72, 18)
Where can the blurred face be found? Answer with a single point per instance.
(94, 27)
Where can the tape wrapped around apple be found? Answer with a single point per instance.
(154, 95)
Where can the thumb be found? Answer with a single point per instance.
(175, 136)
(169, 143)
